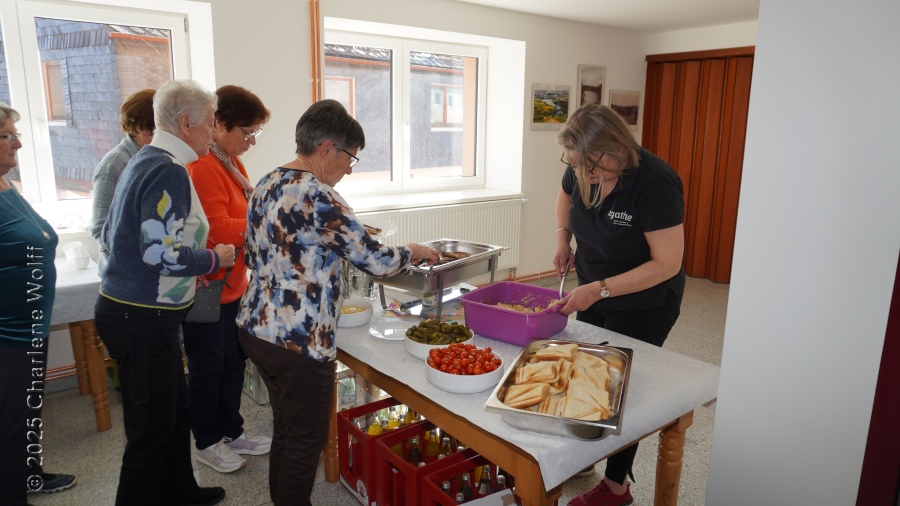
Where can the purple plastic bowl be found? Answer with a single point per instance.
(488, 320)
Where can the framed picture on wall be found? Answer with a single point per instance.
(591, 80)
(627, 104)
(550, 106)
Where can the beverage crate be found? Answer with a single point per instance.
(432, 495)
(399, 483)
(356, 451)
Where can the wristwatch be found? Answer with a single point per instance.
(604, 291)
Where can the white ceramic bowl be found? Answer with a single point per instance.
(355, 319)
(459, 384)
(420, 351)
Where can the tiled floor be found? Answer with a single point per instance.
(73, 445)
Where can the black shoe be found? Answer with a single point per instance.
(206, 497)
(55, 483)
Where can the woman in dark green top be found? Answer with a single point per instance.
(27, 286)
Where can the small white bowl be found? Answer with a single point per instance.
(420, 351)
(459, 384)
(355, 319)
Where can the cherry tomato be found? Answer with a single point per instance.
(478, 370)
(496, 361)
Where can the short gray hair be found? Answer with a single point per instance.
(7, 112)
(181, 97)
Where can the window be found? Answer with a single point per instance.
(53, 84)
(421, 105)
(68, 68)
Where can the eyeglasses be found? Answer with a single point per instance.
(251, 135)
(590, 171)
(11, 137)
(353, 159)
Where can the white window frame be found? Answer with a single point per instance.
(400, 109)
(192, 59)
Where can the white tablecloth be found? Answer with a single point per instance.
(663, 386)
(76, 293)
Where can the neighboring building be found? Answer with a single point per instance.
(360, 76)
(89, 69)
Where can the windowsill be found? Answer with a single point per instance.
(370, 204)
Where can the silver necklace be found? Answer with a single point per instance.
(27, 213)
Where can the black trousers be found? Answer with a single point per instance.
(156, 465)
(215, 377)
(21, 399)
(649, 325)
(301, 390)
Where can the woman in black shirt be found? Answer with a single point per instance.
(625, 208)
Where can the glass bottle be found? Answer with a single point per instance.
(397, 448)
(460, 498)
(484, 484)
(393, 421)
(465, 488)
(433, 448)
(413, 455)
(446, 488)
(445, 447)
(501, 483)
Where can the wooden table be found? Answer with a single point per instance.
(76, 294)
(663, 391)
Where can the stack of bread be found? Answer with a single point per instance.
(562, 381)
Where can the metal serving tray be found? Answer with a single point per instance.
(425, 279)
(619, 367)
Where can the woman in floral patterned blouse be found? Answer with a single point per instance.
(299, 229)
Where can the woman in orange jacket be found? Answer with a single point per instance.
(215, 359)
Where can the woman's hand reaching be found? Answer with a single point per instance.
(421, 252)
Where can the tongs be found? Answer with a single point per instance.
(562, 283)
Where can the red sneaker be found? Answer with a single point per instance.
(603, 496)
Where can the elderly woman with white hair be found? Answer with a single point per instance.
(156, 237)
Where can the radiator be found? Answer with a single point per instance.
(498, 223)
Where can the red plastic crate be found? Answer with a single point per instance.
(359, 479)
(432, 495)
(404, 487)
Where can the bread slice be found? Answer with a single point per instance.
(562, 379)
(556, 352)
(525, 395)
(538, 372)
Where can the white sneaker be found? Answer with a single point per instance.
(250, 443)
(220, 457)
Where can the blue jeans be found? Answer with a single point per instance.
(215, 377)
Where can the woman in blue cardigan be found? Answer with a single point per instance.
(156, 237)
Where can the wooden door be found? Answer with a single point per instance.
(695, 118)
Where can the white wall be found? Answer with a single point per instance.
(554, 48)
(699, 39)
(265, 47)
(815, 255)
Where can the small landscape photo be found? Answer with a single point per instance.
(591, 80)
(627, 104)
(550, 106)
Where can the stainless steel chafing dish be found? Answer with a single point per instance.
(620, 367)
(427, 280)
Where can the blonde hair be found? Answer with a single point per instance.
(595, 129)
